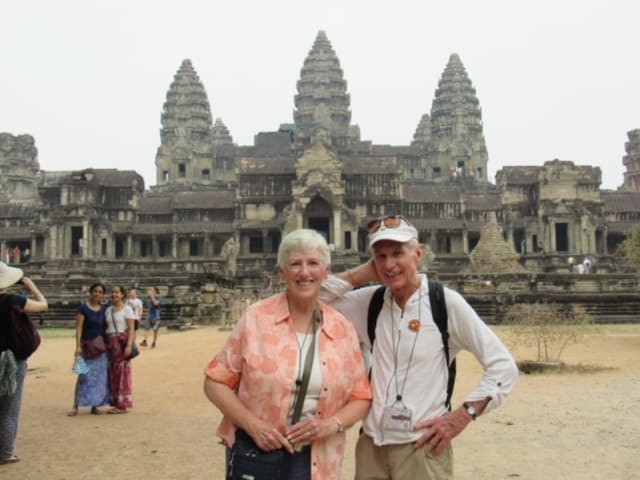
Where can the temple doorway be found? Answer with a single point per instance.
(318, 217)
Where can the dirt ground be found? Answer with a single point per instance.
(554, 426)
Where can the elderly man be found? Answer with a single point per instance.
(408, 432)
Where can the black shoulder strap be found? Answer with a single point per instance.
(440, 317)
(375, 305)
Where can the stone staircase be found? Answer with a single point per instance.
(63, 315)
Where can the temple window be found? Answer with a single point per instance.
(145, 248)
(182, 170)
(194, 247)
(256, 244)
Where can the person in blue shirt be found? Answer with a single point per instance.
(153, 316)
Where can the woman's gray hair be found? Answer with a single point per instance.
(302, 240)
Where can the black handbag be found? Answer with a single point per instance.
(247, 461)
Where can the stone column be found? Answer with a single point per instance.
(154, 246)
(129, 246)
(174, 245)
(53, 236)
(206, 246)
(244, 243)
(465, 242)
(33, 247)
(86, 237)
(337, 229)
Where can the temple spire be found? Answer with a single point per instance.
(457, 140)
(631, 162)
(220, 133)
(422, 135)
(186, 145)
(322, 102)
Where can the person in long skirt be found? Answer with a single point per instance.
(121, 335)
(92, 388)
(14, 367)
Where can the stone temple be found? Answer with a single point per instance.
(218, 209)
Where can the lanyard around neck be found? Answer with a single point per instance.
(396, 347)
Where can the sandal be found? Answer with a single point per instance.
(115, 411)
(11, 459)
(95, 411)
(72, 413)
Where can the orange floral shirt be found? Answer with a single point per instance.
(259, 360)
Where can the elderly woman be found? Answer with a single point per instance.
(10, 401)
(258, 380)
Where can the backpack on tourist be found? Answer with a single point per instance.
(20, 334)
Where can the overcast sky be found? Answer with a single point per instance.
(555, 78)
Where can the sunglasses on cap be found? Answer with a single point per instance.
(390, 221)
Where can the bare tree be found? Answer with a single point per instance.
(549, 327)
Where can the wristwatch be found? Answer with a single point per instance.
(340, 424)
(471, 410)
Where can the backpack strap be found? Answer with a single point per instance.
(440, 317)
(375, 305)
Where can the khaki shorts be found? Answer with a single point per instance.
(400, 462)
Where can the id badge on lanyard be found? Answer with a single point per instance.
(397, 417)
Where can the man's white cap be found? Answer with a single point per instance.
(402, 233)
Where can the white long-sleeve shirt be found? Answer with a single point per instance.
(420, 378)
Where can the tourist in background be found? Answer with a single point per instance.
(256, 378)
(92, 387)
(267, 285)
(408, 431)
(121, 335)
(153, 317)
(10, 403)
(136, 305)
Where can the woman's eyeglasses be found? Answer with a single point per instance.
(390, 221)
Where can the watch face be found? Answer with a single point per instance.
(471, 410)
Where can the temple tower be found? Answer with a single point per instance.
(631, 162)
(422, 135)
(19, 169)
(457, 142)
(322, 101)
(185, 155)
(224, 151)
(220, 133)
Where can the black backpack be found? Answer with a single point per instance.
(17, 332)
(439, 311)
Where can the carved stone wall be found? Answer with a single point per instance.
(631, 162)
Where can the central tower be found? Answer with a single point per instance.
(322, 102)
